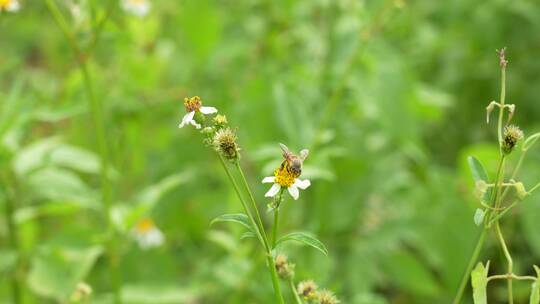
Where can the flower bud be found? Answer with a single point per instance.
(512, 134)
(225, 144)
(308, 291)
(220, 120)
(284, 269)
(327, 297)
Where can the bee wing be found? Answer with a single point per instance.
(304, 154)
(284, 148)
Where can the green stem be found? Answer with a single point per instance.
(295, 293)
(99, 125)
(508, 260)
(270, 258)
(276, 218)
(11, 198)
(275, 228)
(241, 198)
(472, 262)
(501, 108)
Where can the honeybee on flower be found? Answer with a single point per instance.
(288, 173)
(147, 234)
(194, 106)
(139, 8)
(9, 5)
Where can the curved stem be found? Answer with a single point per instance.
(511, 276)
(501, 108)
(99, 124)
(295, 293)
(508, 260)
(241, 198)
(269, 256)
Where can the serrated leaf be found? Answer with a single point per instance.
(535, 289)
(239, 218)
(477, 169)
(306, 239)
(479, 216)
(479, 283)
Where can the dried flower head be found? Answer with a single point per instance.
(512, 134)
(327, 297)
(308, 291)
(9, 5)
(284, 269)
(225, 144)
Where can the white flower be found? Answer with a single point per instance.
(9, 5)
(147, 235)
(291, 187)
(194, 105)
(139, 8)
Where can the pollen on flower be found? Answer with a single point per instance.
(285, 177)
(191, 104)
(9, 5)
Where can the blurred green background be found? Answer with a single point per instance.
(389, 96)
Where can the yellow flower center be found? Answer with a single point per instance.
(144, 225)
(191, 104)
(4, 4)
(284, 176)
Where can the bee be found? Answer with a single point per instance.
(292, 162)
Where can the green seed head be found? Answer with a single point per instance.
(225, 144)
(284, 269)
(327, 297)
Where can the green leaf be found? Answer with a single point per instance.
(304, 238)
(56, 272)
(248, 234)
(535, 289)
(411, 274)
(479, 283)
(152, 293)
(479, 216)
(477, 169)
(239, 218)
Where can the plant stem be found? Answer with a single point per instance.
(99, 124)
(276, 218)
(11, 198)
(241, 198)
(275, 228)
(270, 258)
(501, 108)
(472, 261)
(511, 276)
(296, 296)
(508, 260)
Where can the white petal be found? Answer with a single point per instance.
(302, 184)
(293, 191)
(188, 118)
(208, 110)
(268, 179)
(273, 191)
(13, 6)
(195, 124)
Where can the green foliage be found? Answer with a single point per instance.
(479, 283)
(306, 239)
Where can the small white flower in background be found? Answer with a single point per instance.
(286, 176)
(147, 234)
(139, 8)
(194, 105)
(9, 5)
